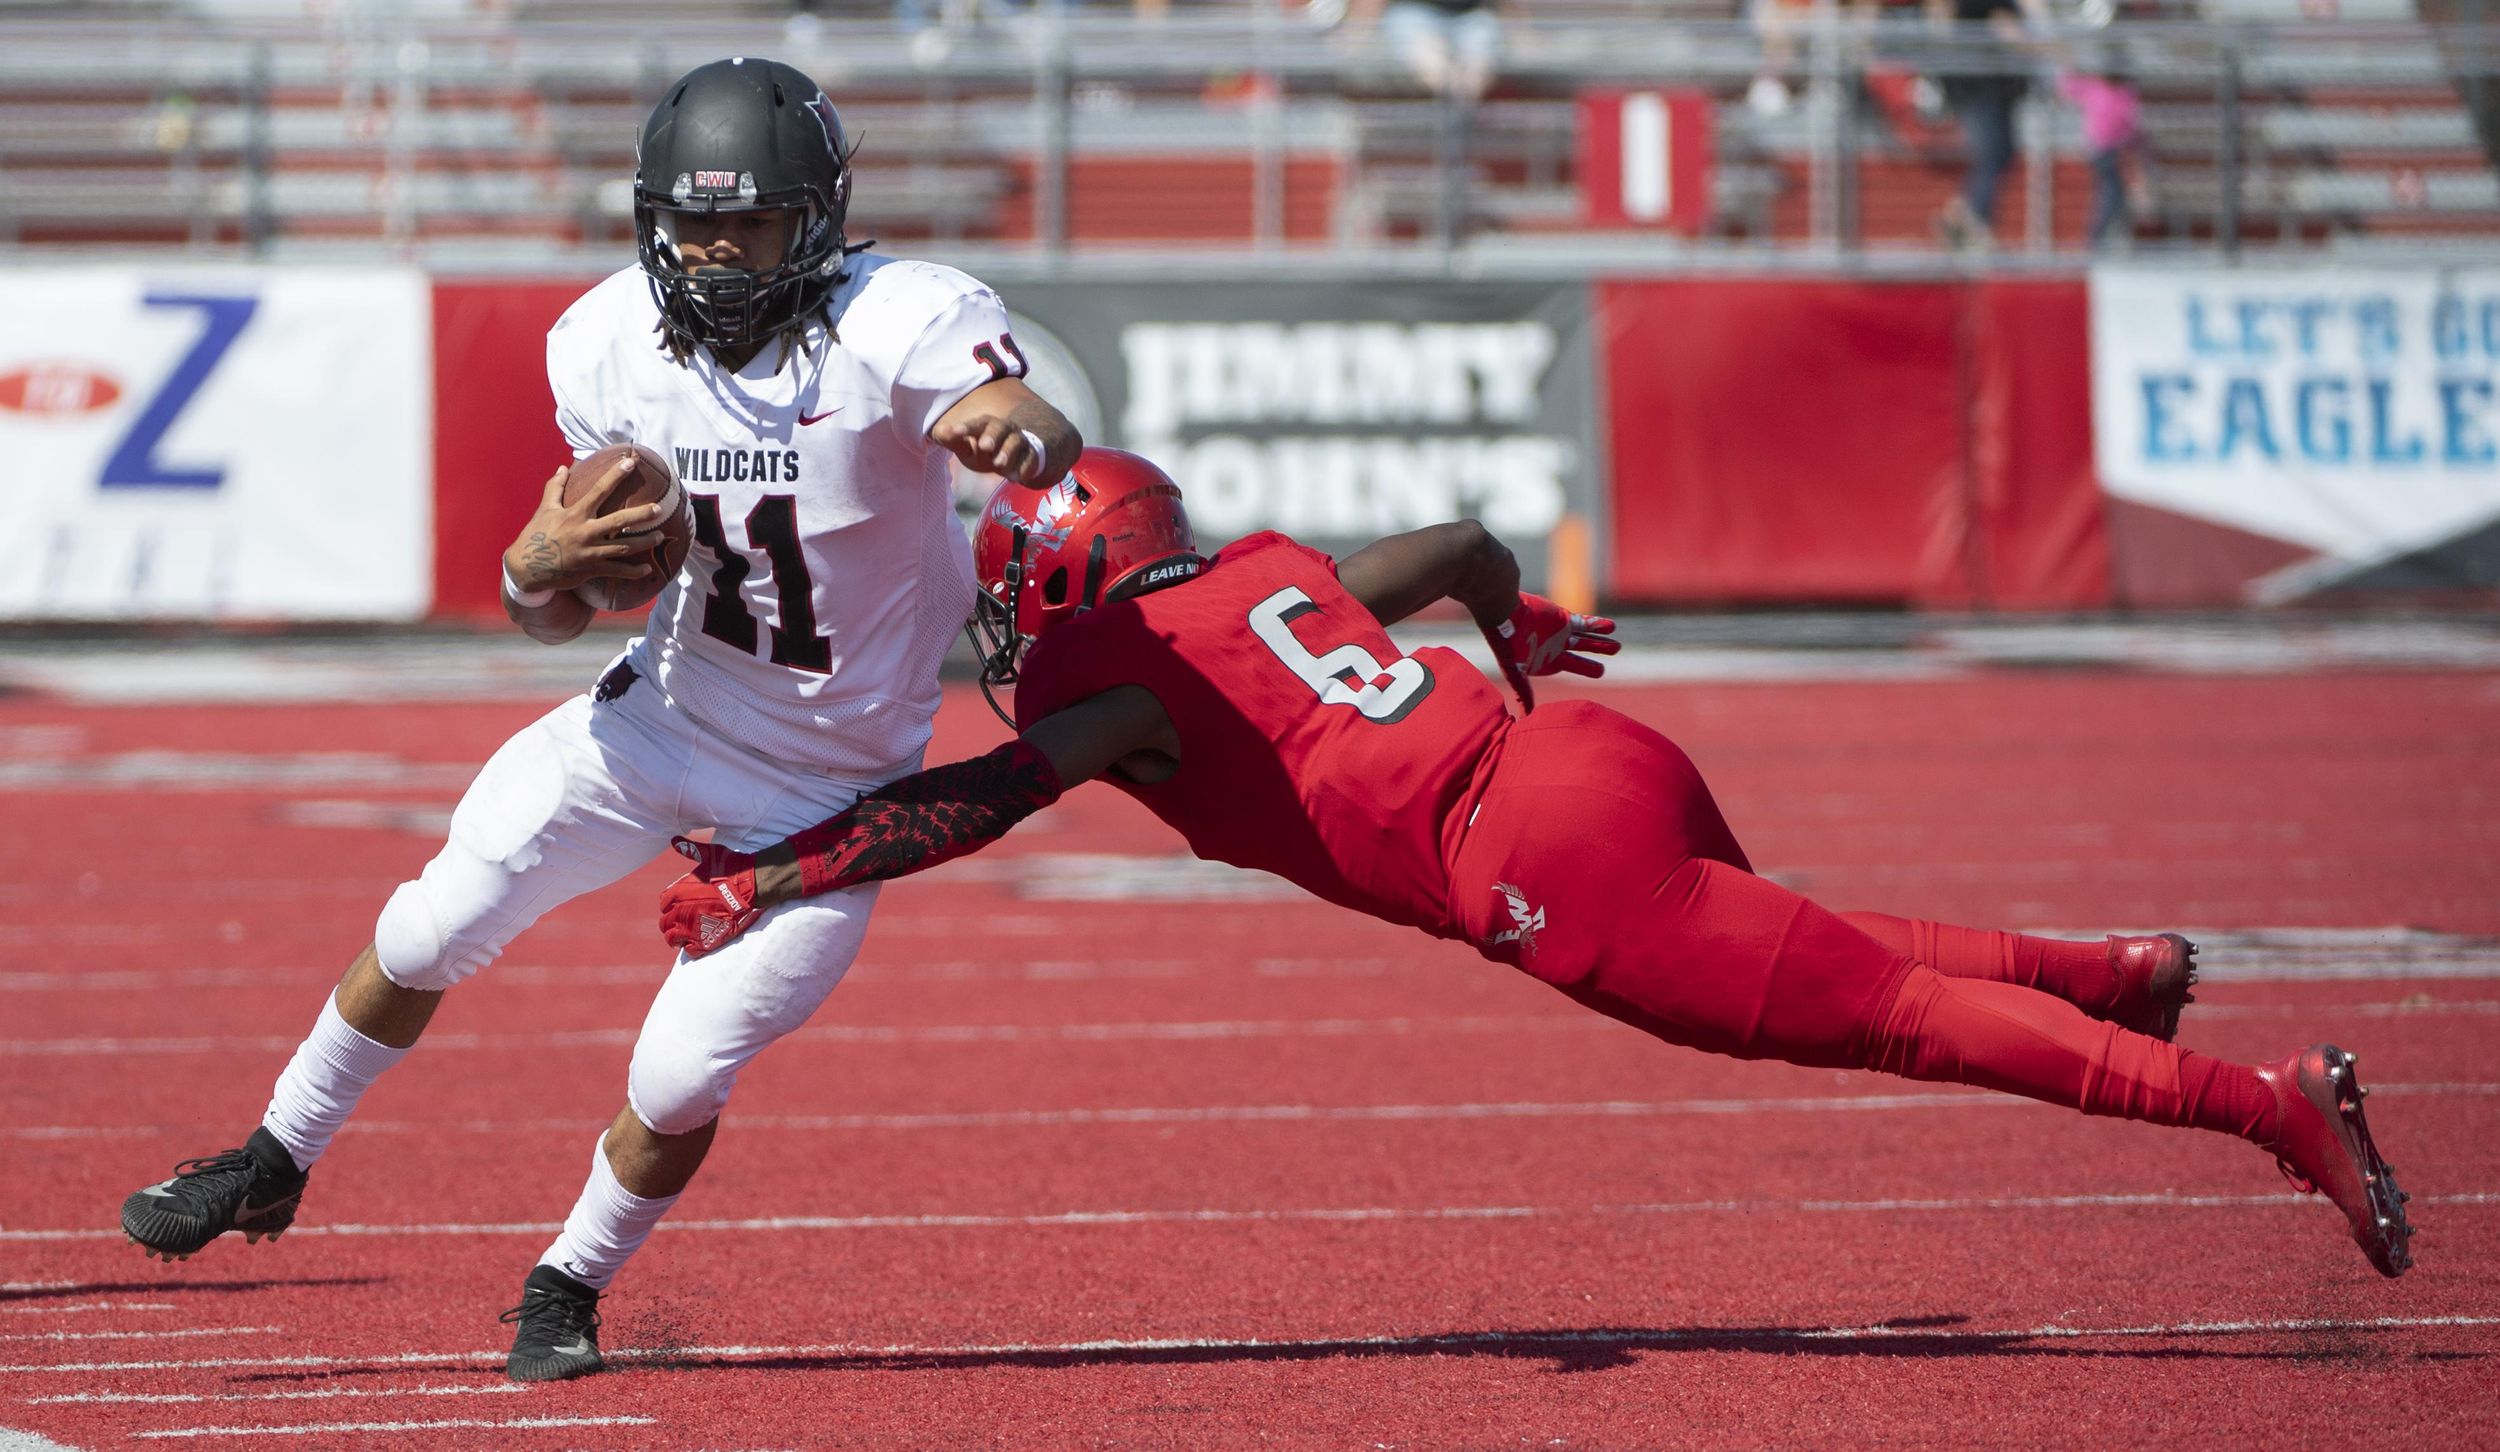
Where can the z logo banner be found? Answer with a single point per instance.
(133, 464)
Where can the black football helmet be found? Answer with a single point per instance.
(735, 136)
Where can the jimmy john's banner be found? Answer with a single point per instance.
(217, 444)
(1339, 412)
(2326, 430)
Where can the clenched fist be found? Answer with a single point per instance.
(988, 444)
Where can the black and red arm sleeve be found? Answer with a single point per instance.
(929, 817)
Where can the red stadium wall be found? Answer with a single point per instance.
(1766, 440)
(1780, 439)
(495, 437)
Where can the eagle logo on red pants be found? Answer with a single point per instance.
(1527, 922)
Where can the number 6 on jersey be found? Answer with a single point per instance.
(1348, 675)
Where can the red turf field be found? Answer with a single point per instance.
(1179, 1171)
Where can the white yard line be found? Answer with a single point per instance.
(1366, 1213)
(1220, 1114)
(2250, 955)
(141, 1335)
(870, 1034)
(318, 1428)
(654, 969)
(500, 1388)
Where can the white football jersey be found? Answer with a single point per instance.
(829, 573)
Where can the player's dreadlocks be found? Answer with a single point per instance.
(792, 334)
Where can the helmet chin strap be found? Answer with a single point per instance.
(1015, 577)
(1091, 596)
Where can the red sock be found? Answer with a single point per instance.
(2077, 972)
(2000, 1036)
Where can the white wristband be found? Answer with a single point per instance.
(1041, 456)
(526, 599)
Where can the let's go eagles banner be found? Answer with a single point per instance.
(2350, 412)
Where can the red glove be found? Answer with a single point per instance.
(905, 826)
(1541, 638)
(712, 904)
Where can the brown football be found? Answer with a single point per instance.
(652, 480)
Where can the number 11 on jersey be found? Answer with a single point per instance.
(772, 526)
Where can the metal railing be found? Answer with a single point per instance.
(390, 131)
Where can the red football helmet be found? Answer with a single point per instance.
(1111, 529)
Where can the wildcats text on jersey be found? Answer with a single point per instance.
(738, 466)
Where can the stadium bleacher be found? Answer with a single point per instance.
(465, 130)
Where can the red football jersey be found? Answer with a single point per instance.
(1310, 748)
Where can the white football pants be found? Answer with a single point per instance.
(583, 796)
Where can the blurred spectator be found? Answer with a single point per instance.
(1777, 22)
(1780, 24)
(1452, 46)
(1984, 87)
(2113, 132)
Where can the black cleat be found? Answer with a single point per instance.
(559, 1335)
(254, 1189)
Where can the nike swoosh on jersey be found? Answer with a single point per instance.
(805, 420)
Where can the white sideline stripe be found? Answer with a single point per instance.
(1071, 1218)
(86, 1306)
(2256, 955)
(2435, 1088)
(1180, 1343)
(2401, 1008)
(161, 1398)
(528, 975)
(874, 1034)
(406, 1358)
(1560, 1022)
(312, 1428)
(139, 1335)
(1213, 1114)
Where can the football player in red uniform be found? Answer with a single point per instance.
(1255, 703)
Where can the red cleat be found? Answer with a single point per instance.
(2154, 976)
(2322, 1142)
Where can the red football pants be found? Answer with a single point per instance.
(1598, 862)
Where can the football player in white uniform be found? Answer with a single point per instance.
(809, 394)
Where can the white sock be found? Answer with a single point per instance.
(608, 1224)
(331, 1070)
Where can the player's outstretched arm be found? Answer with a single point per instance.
(1005, 428)
(1530, 635)
(1401, 574)
(911, 824)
